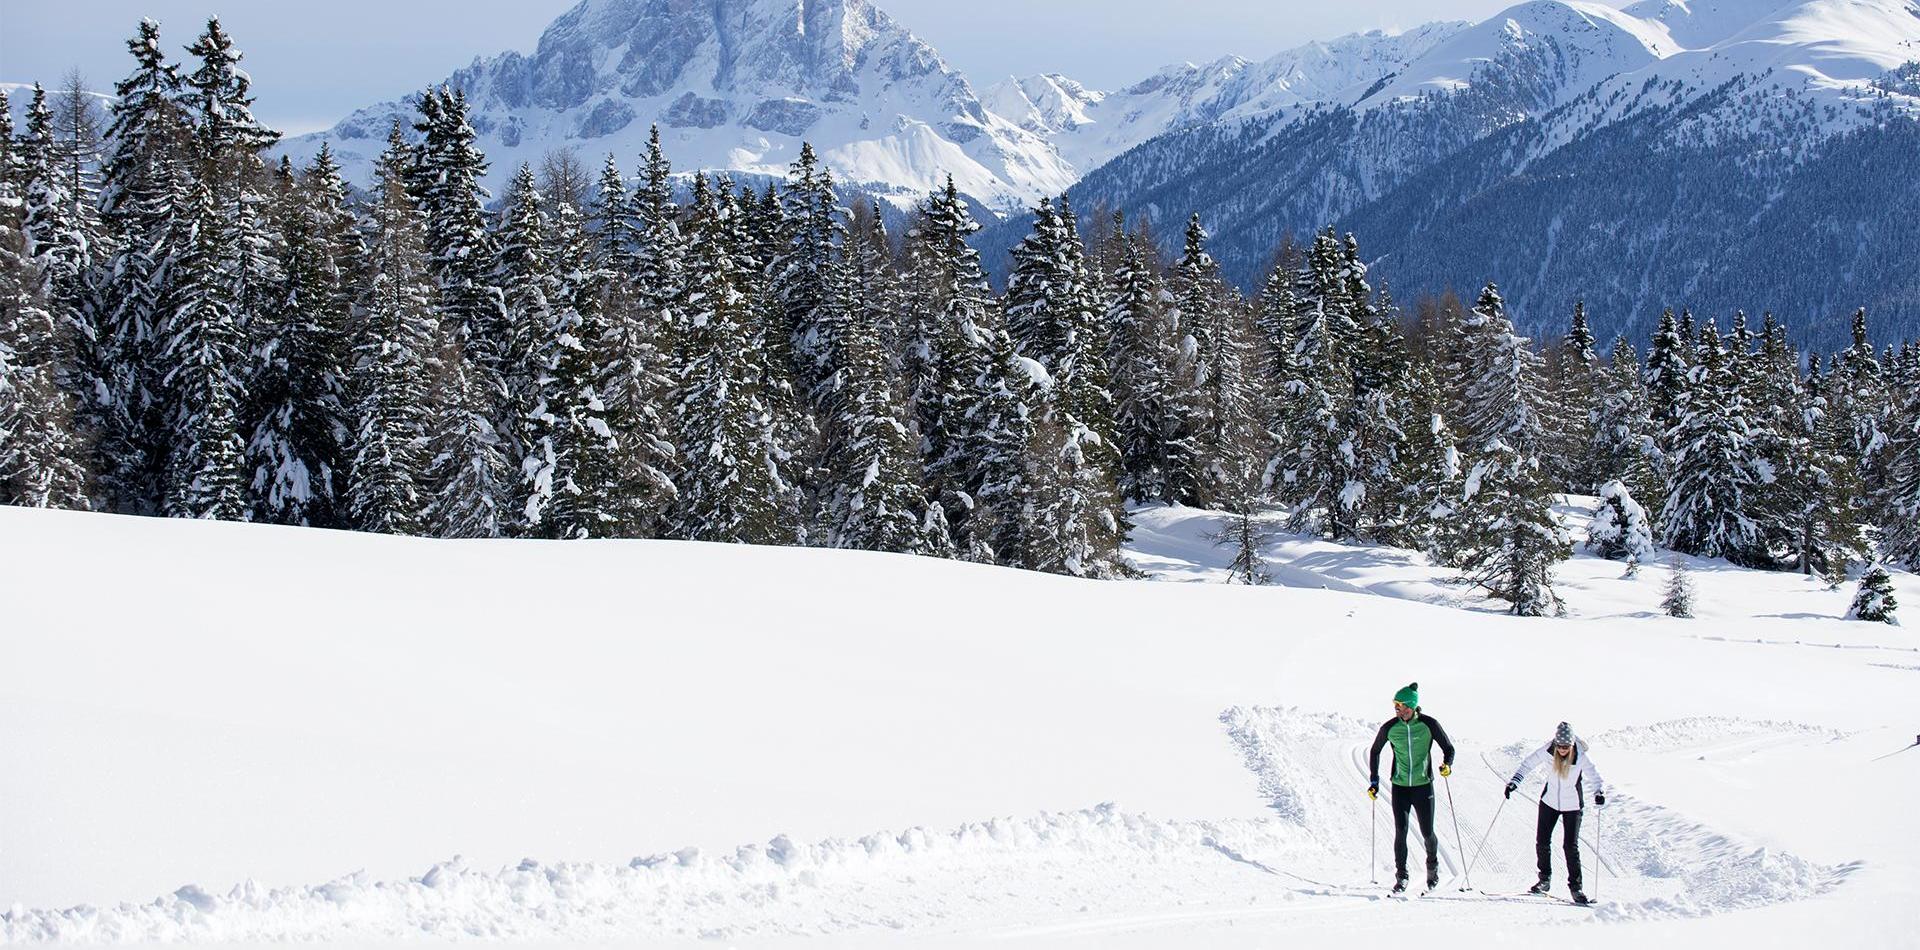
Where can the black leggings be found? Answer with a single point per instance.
(1543, 843)
(1419, 800)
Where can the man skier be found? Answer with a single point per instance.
(1562, 798)
(1412, 734)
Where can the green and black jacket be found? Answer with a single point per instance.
(1412, 743)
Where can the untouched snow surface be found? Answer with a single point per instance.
(245, 734)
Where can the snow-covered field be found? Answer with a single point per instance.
(220, 732)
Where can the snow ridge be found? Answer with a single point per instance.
(780, 887)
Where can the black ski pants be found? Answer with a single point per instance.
(1543, 843)
(1417, 799)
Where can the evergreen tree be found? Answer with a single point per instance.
(204, 352)
(1323, 475)
(392, 337)
(1900, 510)
(1145, 357)
(1624, 448)
(296, 450)
(444, 176)
(1678, 601)
(1620, 530)
(574, 453)
(525, 275)
(1512, 540)
(466, 468)
(1668, 367)
(1713, 500)
(228, 140)
(809, 232)
(751, 231)
(728, 478)
(142, 203)
(1816, 506)
(1874, 601)
(875, 501)
(1050, 314)
(957, 390)
(1573, 375)
(1247, 537)
(41, 462)
(633, 378)
(1216, 408)
(62, 246)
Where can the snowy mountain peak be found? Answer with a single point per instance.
(738, 84)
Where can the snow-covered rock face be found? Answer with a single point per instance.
(737, 84)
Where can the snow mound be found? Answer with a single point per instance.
(891, 881)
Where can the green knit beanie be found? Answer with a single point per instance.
(1408, 696)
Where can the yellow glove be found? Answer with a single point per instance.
(1373, 791)
(1445, 769)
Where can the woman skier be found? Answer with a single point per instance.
(1412, 734)
(1569, 773)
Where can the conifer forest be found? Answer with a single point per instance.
(191, 329)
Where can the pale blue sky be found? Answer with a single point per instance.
(313, 63)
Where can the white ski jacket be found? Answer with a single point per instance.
(1563, 794)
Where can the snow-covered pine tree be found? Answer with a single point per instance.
(1679, 597)
(1145, 357)
(60, 245)
(41, 459)
(1624, 448)
(524, 272)
(466, 477)
(391, 370)
(296, 449)
(574, 451)
(1002, 453)
(1620, 530)
(1429, 470)
(727, 475)
(1669, 364)
(947, 356)
(1573, 370)
(1510, 536)
(1319, 460)
(1378, 411)
(1900, 508)
(204, 352)
(1715, 493)
(142, 205)
(228, 140)
(1276, 311)
(752, 231)
(1216, 410)
(633, 377)
(444, 178)
(1815, 508)
(614, 230)
(1874, 601)
(885, 286)
(657, 252)
(1247, 537)
(874, 500)
(1050, 315)
(803, 270)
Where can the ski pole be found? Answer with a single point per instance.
(1483, 838)
(1599, 860)
(1373, 839)
(1467, 877)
